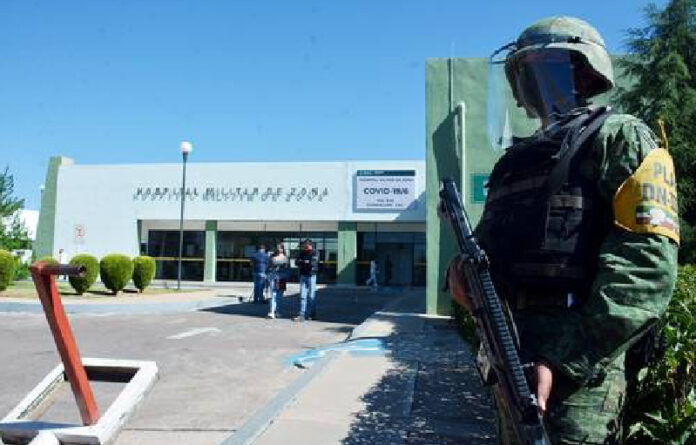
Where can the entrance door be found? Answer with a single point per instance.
(395, 263)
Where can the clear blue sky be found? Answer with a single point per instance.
(126, 81)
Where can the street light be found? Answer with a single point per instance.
(186, 148)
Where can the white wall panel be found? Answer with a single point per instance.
(104, 200)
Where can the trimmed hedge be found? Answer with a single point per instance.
(7, 268)
(144, 268)
(48, 259)
(116, 271)
(82, 284)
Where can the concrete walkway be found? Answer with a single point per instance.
(421, 388)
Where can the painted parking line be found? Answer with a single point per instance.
(193, 332)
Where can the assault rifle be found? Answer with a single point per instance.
(498, 360)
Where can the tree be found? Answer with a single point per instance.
(661, 69)
(13, 234)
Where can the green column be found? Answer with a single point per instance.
(47, 215)
(461, 153)
(347, 252)
(139, 236)
(210, 264)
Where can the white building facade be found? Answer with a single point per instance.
(352, 211)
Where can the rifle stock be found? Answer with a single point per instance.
(499, 354)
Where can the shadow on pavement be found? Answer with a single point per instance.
(334, 305)
(432, 393)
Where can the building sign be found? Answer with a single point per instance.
(478, 187)
(385, 189)
(239, 194)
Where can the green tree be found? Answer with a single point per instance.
(13, 234)
(661, 67)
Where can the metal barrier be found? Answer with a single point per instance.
(22, 423)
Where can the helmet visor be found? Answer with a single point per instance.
(506, 119)
(541, 82)
(545, 82)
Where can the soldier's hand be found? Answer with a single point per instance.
(458, 286)
(544, 384)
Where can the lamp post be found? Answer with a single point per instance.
(186, 148)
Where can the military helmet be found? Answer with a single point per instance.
(571, 34)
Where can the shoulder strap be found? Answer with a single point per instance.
(572, 144)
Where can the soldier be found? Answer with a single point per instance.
(581, 229)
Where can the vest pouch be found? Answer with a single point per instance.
(559, 261)
(513, 229)
(564, 223)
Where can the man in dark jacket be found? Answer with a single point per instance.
(259, 261)
(307, 262)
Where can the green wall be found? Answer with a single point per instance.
(210, 262)
(49, 201)
(346, 266)
(455, 94)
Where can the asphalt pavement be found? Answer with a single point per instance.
(218, 366)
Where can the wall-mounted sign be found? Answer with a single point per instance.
(478, 187)
(385, 189)
(240, 194)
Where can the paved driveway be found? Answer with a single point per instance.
(217, 366)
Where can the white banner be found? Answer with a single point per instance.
(385, 189)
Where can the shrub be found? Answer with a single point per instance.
(82, 284)
(116, 271)
(143, 271)
(21, 270)
(661, 404)
(466, 326)
(7, 269)
(48, 259)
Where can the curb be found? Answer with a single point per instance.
(262, 419)
(253, 428)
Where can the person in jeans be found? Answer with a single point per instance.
(307, 262)
(374, 270)
(277, 276)
(259, 261)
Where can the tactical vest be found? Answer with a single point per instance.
(544, 219)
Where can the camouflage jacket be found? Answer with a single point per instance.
(634, 280)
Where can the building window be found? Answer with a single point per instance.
(163, 246)
(400, 255)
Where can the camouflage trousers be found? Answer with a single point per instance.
(586, 415)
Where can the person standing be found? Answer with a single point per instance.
(307, 262)
(62, 259)
(259, 262)
(277, 277)
(374, 271)
(585, 258)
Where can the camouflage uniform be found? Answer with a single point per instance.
(585, 345)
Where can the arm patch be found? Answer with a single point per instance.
(646, 202)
